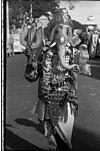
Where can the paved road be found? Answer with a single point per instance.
(23, 130)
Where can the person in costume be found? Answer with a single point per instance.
(57, 91)
(58, 101)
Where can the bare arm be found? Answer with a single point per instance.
(65, 65)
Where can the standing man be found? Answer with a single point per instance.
(11, 43)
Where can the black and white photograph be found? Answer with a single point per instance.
(50, 75)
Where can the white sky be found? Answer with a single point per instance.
(83, 9)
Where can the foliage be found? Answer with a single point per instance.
(17, 9)
(39, 7)
(78, 25)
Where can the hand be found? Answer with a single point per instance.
(48, 42)
(27, 52)
(45, 48)
(75, 67)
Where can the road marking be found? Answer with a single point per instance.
(94, 61)
(92, 65)
(93, 94)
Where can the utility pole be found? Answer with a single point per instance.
(31, 11)
(7, 21)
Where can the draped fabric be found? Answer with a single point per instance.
(36, 40)
(24, 35)
(31, 71)
(34, 47)
(64, 129)
(27, 35)
(31, 34)
(57, 97)
(31, 37)
(95, 39)
(64, 126)
(33, 66)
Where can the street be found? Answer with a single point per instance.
(23, 130)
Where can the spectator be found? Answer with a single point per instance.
(11, 43)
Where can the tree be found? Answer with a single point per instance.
(78, 25)
(16, 11)
(39, 7)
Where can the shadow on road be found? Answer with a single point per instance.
(26, 122)
(9, 125)
(17, 143)
(95, 68)
(95, 72)
(83, 140)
